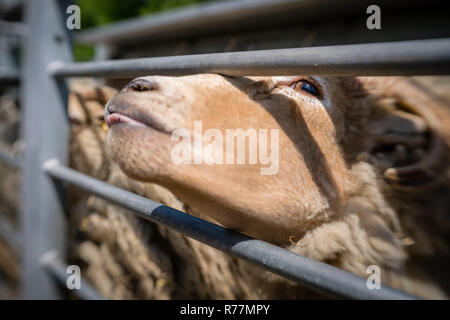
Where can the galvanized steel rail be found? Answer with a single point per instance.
(12, 161)
(422, 57)
(312, 273)
(216, 16)
(48, 62)
(9, 76)
(45, 129)
(222, 17)
(14, 28)
(54, 266)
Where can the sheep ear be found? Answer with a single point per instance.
(409, 144)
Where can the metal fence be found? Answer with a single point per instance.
(48, 62)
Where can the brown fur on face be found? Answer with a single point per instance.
(308, 185)
(343, 157)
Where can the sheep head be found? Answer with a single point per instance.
(323, 126)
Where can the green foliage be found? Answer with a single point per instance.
(101, 12)
(83, 52)
(153, 6)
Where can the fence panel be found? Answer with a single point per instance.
(45, 129)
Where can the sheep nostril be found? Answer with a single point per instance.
(142, 85)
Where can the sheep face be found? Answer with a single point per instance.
(304, 112)
(308, 116)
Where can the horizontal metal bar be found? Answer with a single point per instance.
(9, 76)
(285, 263)
(8, 233)
(421, 57)
(9, 159)
(10, 5)
(220, 16)
(57, 268)
(15, 28)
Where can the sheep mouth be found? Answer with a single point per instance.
(135, 119)
(116, 118)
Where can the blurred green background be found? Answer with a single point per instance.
(101, 12)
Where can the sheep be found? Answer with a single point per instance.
(361, 159)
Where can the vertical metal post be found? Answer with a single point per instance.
(103, 51)
(45, 129)
(6, 59)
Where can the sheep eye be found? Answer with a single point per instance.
(306, 86)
